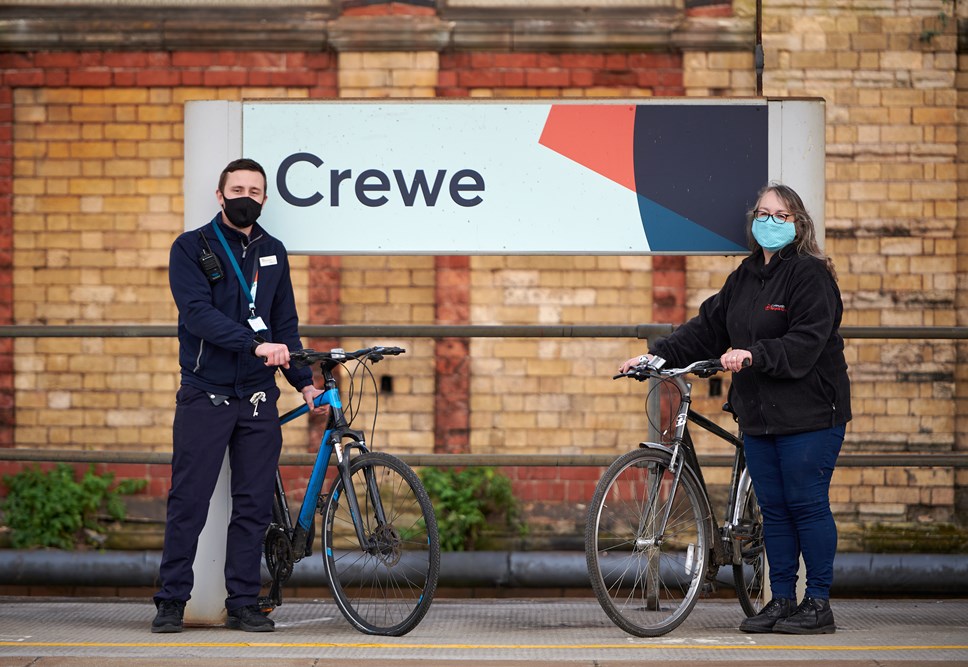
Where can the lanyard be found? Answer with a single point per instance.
(238, 271)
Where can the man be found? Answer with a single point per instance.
(236, 323)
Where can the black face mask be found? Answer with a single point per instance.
(242, 211)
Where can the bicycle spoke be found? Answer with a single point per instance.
(384, 586)
(647, 577)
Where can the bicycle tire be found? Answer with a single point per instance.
(647, 587)
(749, 575)
(387, 589)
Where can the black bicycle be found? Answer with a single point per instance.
(653, 543)
(381, 548)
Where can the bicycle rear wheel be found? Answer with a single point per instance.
(750, 572)
(385, 588)
(647, 582)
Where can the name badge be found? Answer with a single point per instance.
(257, 324)
(268, 260)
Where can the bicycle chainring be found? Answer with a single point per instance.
(278, 553)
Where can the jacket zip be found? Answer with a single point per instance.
(246, 242)
(749, 333)
(198, 359)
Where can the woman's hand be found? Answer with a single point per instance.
(736, 360)
(634, 361)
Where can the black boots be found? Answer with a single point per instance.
(169, 616)
(776, 609)
(813, 617)
(250, 619)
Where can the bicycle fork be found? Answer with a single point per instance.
(374, 504)
(653, 522)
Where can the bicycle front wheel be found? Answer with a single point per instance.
(385, 586)
(749, 573)
(647, 543)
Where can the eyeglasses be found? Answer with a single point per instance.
(777, 218)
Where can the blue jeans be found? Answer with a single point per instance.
(791, 476)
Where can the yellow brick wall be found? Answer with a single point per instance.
(556, 396)
(393, 289)
(97, 203)
(891, 215)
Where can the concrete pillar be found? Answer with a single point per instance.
(213, 138)
(207, 604)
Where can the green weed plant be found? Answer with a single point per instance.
(53, 509)
(468, 501)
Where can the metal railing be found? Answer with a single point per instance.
(640, 331)
(636, 331)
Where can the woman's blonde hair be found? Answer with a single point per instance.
(806, 238)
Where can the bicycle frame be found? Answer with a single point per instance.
(683, 451)
(332, 441)
(653, 543)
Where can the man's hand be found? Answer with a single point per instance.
(275, 354)
(310, 393)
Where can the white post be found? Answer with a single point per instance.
(207, 604)
(213, 138)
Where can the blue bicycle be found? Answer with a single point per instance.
(381, 548)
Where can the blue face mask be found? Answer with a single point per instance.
(772, 236)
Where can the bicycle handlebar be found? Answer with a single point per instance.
(308, 357)
(653, 368)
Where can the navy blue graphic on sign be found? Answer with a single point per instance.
(697, 171)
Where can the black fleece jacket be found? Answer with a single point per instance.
(787, 314)
(215, 339)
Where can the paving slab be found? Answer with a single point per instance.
(507, 632)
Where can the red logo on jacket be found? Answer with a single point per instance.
(779, 307)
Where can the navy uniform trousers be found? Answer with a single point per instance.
(201, 433)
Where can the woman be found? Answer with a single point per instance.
(775, 325)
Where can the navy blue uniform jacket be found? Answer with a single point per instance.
(787, 314)
(215, 351)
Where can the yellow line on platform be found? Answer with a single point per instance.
(510, 647)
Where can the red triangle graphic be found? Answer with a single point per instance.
(595, 136)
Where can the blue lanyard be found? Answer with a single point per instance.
(238, 271)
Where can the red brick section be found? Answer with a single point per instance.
(324, 308)
(315, 71)
(712, 10)
(390, 9)
(6, 247)
(568, 484)
(668, 289)
(452, 357)
(661, 73)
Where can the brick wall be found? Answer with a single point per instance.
(90, 150)
(892, 219)
(94, 142)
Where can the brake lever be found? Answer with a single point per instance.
(634, 374)
(300, 358)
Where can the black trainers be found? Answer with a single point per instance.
(250, 619)
(170, 616)
(813, 617)
(775, 610)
